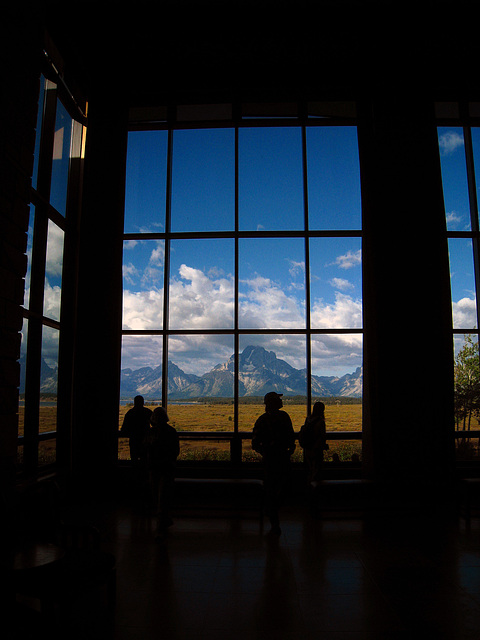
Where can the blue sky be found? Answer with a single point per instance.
(272, 286)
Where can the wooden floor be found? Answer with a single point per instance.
(379, 575)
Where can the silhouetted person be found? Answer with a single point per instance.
(162, 445)
(274, 439)
(135, 427)
(313, 439)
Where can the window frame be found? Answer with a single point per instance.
(464, 115)
(298, 116)
(34, 316)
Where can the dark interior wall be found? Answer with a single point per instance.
(18, 108)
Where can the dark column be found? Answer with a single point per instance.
(99, 311)
(23, 39)
(407, 308)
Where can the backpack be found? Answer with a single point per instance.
(307, 435)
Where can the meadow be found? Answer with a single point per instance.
(211, 417)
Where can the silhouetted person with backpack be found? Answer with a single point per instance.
(163, 448)
(313, 439)
(274, 439)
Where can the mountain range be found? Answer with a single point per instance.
(260, 371)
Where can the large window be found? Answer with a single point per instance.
(243, 273)
(459, 146)
(58, 148)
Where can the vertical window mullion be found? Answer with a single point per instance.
(166, 269)
(236, 305)
(307, 271)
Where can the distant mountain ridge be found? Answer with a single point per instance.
(260, 371)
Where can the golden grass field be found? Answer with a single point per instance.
(211, 417)
(218, 417)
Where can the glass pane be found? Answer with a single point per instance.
(47, 449)
(476, 160)
(467, 395)
(53, 272)
(333, 173)
(271, 283)
(146, 182)
(143, 264)
(49, 380)
(141, 369)
(201, 284)
(336, 283)
(31, 224)
(337, 379)
(454, 178)
(344, 450)
(61, 159)
(464, 307)
(270, 179)
(200, 383)
(204, 450)
(141, 374)
(38, 131)
(203, 180)
(271, 363)
(337, 365)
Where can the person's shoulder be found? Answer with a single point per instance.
(262, 419)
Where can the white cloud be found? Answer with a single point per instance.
(464, 313)
(264, 305)
(205, 301)
(449, 142)
(345, 312)
(349, 260)
(130, 273)
(54, 263)
(143, 309)
(454, 218)
(341, 284)
(336, 354)
(51, 301)
(296, 268)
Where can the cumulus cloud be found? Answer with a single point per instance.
(341, 284)
(464, 313)
(336, 354)
(265, 305)
(349, 260)
(454, 218)
(449, 142)
(200, 300)
(130, 273)
(51, 301)
(344, 312)
(54, 263)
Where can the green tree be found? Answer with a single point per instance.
(467, 384)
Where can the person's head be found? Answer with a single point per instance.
(138, 401)
(318, 409)
(159, 417)
(273, 401)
